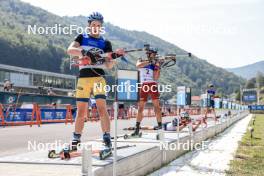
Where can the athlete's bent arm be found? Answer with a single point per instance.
(156, 73)
(141, 64)
(113, 55)
(74, 49)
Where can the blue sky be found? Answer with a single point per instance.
(226, 33)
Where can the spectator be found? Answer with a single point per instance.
(50, 92)
(12, 87)
(41, 90)
(121, 112)
(169, 110)
(7, 85)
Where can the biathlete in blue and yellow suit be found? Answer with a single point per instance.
(91, 75)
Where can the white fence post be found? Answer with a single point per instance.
(87, 160)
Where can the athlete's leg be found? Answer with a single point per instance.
(143, 97)
(214, 113)
(82, 94)
(156, 105)
(155, 100)
(82, 110)
(105, 121)
(141, 106)
(100, 98)
(212, 104)
(104, 117)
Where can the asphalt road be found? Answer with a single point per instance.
(16, 139)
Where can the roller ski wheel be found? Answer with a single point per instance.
(139, 135)
(53, 154)
(126, 136)
(157, 137)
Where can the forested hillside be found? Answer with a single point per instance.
(47, 52)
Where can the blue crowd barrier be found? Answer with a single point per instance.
(20, 115)
(256, 107)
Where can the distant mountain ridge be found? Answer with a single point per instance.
(248, 71)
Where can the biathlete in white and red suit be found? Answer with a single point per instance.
(149, 74)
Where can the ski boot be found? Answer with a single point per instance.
(105, 153)
(160, 133)
(135, 134)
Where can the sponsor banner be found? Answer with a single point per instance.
(127, 85)
(26, 114)
(256, 107)
(181, 95)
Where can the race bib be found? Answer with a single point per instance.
(146, 74)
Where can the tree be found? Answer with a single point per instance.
(251, 83)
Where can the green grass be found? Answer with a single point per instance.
(249, 158)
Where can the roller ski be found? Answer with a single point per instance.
(159, 136)
(143, 128)
(131, 136)
(108, 152)
(54, 154)
(102, 153)
(136, 134)
(65, 152)
(160, 133)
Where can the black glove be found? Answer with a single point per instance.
(84, 52)
(115, 55)
(152, 61)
